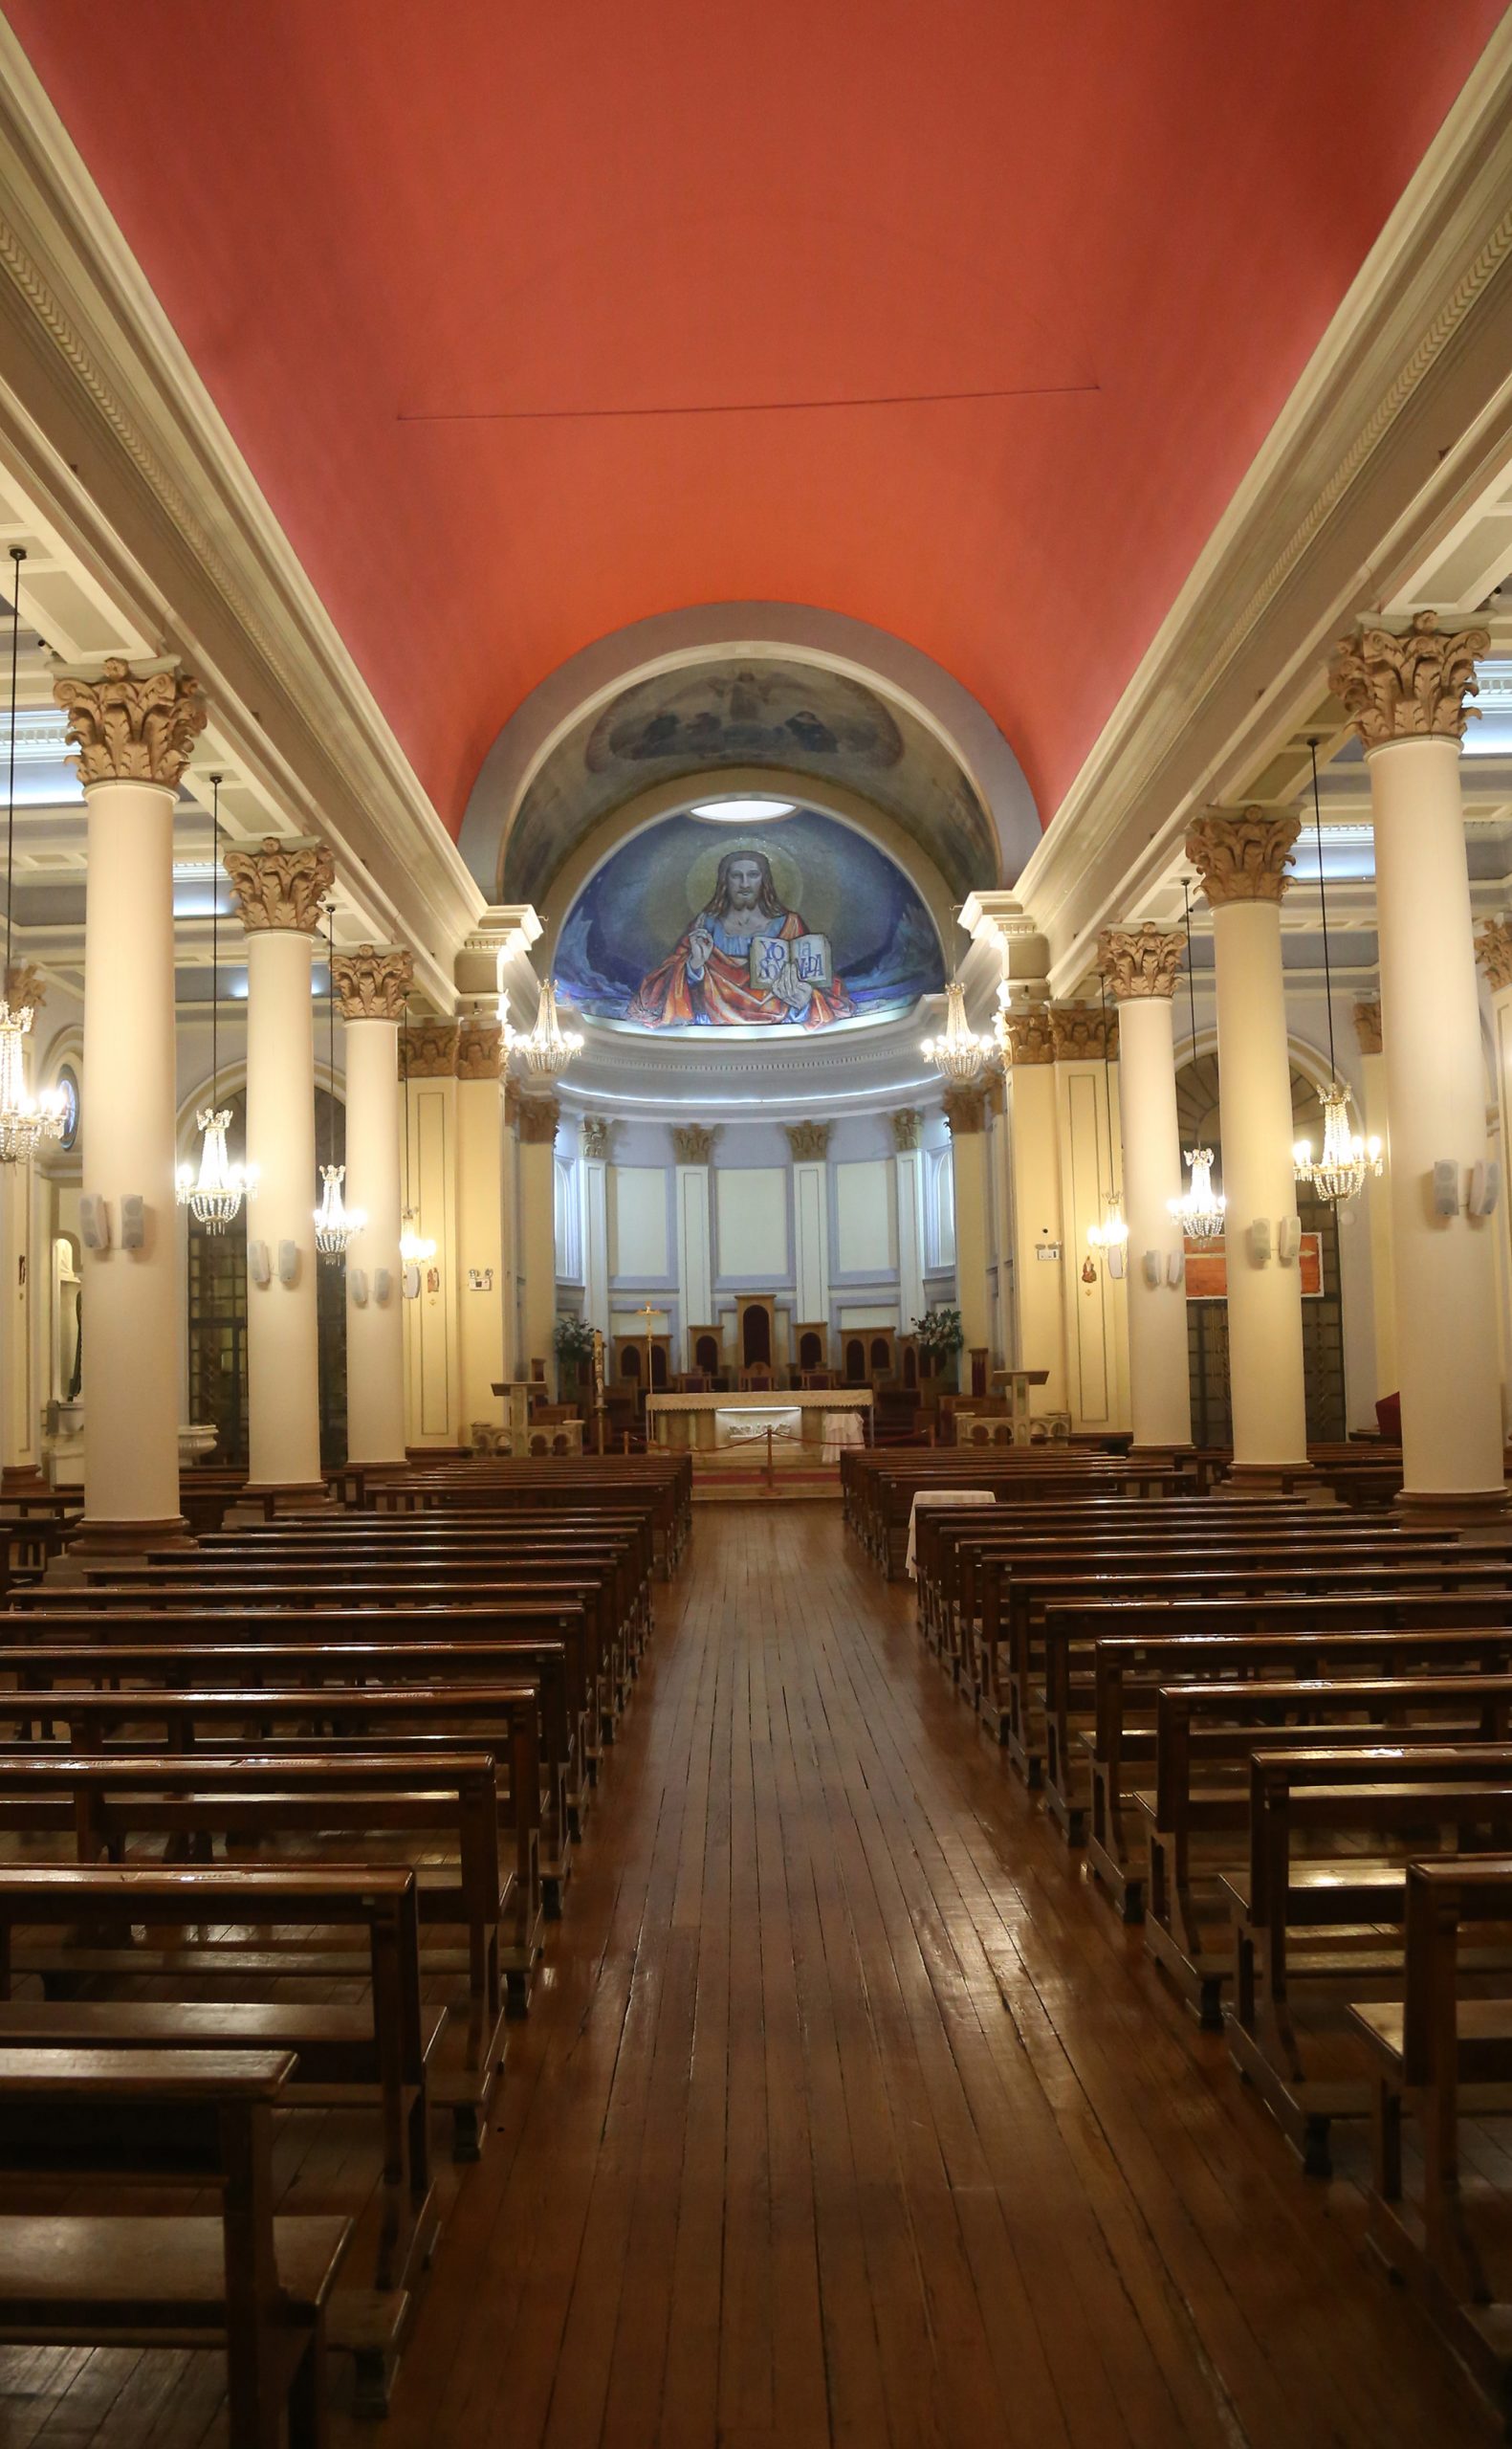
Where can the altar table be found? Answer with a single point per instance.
(927, 1497)
(681, 1421)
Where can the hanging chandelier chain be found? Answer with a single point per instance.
(215, 935)
(17, 557)
(1323, 909)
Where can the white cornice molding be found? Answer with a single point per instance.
(1352, 479)
(174, 531)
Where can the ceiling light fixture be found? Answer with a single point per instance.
(213, 1196)
(25, 1120)
(1201, 1209)
(549, 1048)
(958, 1056)
(1346, 1158)
(742, 811)
(334, 1223)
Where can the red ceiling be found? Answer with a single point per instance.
(1135, 218)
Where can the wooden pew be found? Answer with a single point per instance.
(240, 2277)
(1427, 2051)
(1333, 1921)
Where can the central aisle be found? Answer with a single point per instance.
(847, 2113)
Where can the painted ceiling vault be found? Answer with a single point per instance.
(966, 323)
(787, 715)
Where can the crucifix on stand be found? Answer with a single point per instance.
(648, 1310)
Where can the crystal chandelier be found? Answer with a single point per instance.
(1112, 1231)
(25, 1120)
(549, 1048)
(1346, 1160)
(213, 1196)
(1200, 1210)
(334, 1223)
(958, 1056)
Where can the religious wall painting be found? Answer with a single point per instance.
(805, 924)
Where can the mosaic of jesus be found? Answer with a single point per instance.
(745, 961)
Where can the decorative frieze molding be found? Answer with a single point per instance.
(372, 985)
(131, 726)
(280, 885)
(996, 1092)
(908, 1129)
(965, 1111)
(1494, 953)
(693, 1143)
(1140, 961)
(511, 1106)
(1408, 684)
(1368, 1023)
(1083, 1033)
(25, 988)
(538, 1118)
(1029, 1039)
(427, 1051)
(1246, 857)
(809, 1142)
(480, 1050)
(596, 1130)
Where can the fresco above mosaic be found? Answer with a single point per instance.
(804, 923)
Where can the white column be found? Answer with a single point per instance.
(966, 1116)
(20, 1432)
(1243, 862)
(142, 723)
(692, 1146)
(481, 1254)
(279, 889)
(1044, 1273)
(372, 987)
(538, 1119)
(1406, 697)
(427, 1185)
(595, 1195)
(908, 1182)
(808, 1145)
(1140, 966)
(1378, 1196)
(1086, 1121)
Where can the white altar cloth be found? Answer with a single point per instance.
(941, 1496)
(683, 1421)
(746, 1424)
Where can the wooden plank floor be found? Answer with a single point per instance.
(847, 2113)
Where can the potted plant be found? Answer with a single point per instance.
(939, 1336)
(572, 1339)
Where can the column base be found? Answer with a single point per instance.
(24, 1479)
(1261, 1477)
(1447, 1509)
(95, 1541)
(260, 1499)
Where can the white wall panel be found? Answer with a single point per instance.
(751, 1202)
(638, 1221)
(865, 1218)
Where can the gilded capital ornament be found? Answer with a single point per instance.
(1246, 857)
(427, 1051)
(596, 1138)
(809, 1142)
(1368, 1023)
(1029, 1035)
(692, 1143)
(372, 985)
(538, 1118)
(512, 1105)
(1083, 1033)
(25, 990)
(908, 1126)
(1408, 684)
(965, 1111)
(1494, 953)
(480, 1050)
(132, 727)
(280, 886)
(1140, 961)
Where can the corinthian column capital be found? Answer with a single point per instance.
(429, 1050)
(1368, 1023)
(1494, 953)
(1246, 857)
(131, 726)
(538, 1118)
(24, 988)
(280, 885)
(1139, 961)
(372, 985)
(1408, 684)
(1029, 1035)
(1083, 1033)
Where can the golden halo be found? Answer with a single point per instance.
(786, 873)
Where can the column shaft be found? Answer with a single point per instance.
(539, 1117)
(1043, 1287)
(965, 1111)
(131, 1297)
(1447, 1356)
(375, 1330)
(19, 1450)
(1160, 1391)
(283, 1375)
(480, 1233)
